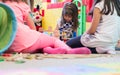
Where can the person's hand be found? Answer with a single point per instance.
(56, 33)
(118, 44)
(41, 30)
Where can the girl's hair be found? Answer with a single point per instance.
(109, 6)
(10, 0)
(26, 1)
(70, 9)
(31, 4)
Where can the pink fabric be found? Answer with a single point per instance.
(51, 50)
(52, 45)
(25, 37)
(46, 41)
(25, 9)
(82, 50)
(28, 40)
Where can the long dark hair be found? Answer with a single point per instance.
(108, 9)
(70, 9)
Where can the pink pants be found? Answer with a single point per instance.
(46, 41)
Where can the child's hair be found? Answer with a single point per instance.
(108, 9)
(26, 1)
(10, 0)
(70, 9)
(31, 4)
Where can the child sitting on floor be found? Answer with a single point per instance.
(28, 40)
(68, 23)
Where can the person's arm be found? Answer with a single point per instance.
(30, 22)
(57, 28)
(26, 15)
(56, 32)
(95, 21)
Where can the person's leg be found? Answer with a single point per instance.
(60, 47)
(93, 50)
(80, 50)
(46, 42)
(53, 45)
(69, 50)
(106, 49)
(75, 43)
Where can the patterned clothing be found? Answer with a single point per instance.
(66, 30)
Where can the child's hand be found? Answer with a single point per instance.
(41, 30)
(118, 44)
(56, 33)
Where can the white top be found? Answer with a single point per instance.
(107, 33)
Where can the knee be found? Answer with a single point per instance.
(68, 43)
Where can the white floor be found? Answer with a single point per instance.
(49, 62)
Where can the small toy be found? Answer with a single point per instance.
(6, 55)
(37, 18)
(1, 59)
(19, 61)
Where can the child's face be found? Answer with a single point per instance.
(67, 18)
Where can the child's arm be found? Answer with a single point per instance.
(30, 22)
(57, 28)
(95, 21)
(26, 15)
(56, 32)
